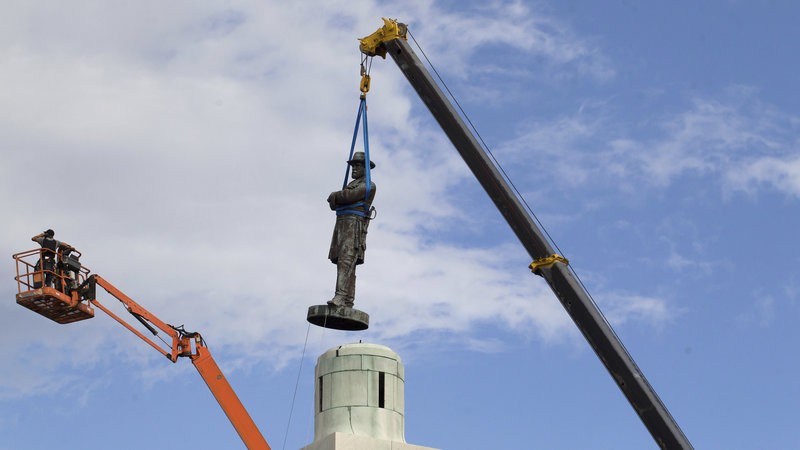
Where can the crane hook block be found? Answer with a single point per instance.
(364, 84)
(547, 261)
(373, 44)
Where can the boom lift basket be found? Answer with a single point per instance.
(58, 300)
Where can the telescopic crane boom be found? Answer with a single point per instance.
(391, 39)
(64, 304)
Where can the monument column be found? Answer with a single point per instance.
(359, 400)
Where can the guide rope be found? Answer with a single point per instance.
(296, 385)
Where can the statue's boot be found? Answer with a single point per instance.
(345, 282)
(351, 292)
(338, 300)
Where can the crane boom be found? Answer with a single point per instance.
(554, 269)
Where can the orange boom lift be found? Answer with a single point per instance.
(71, 297)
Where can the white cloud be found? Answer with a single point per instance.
(779, 173)
(761, 312)
(187, 150)
(686, 245)
(458, 42)
(708, 138)
(741, 142)
(622, 308)
(739, 139)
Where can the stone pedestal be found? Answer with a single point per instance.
(338, 317)
(359, 400)
(345, 441)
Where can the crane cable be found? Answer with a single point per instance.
(483, 143)
(637, 373)
(505, 175)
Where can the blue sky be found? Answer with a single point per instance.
(187, 149)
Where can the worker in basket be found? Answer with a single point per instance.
(47, 258)
(46, 265)
(68, 268)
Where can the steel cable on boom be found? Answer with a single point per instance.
(505, 175)
(483, 143)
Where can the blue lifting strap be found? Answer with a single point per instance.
(352, 209)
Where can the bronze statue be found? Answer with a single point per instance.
(353, 206)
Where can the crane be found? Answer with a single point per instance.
(391, 39)
(72, 297)
(64, 303)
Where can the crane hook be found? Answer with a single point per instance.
(365, 79)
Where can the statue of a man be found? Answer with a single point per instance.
(353, 209)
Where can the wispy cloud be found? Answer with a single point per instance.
(717, 137)
(192, 147)
(743, 143)
(622, 308)
(761, 312)
(515, 33)
(779, 173)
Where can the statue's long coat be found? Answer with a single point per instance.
(350, 232)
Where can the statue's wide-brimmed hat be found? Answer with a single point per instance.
(358, 157)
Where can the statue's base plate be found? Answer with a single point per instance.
(338, 317)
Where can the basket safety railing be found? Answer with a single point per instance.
(32, 272)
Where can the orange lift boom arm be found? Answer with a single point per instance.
(181, 345)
